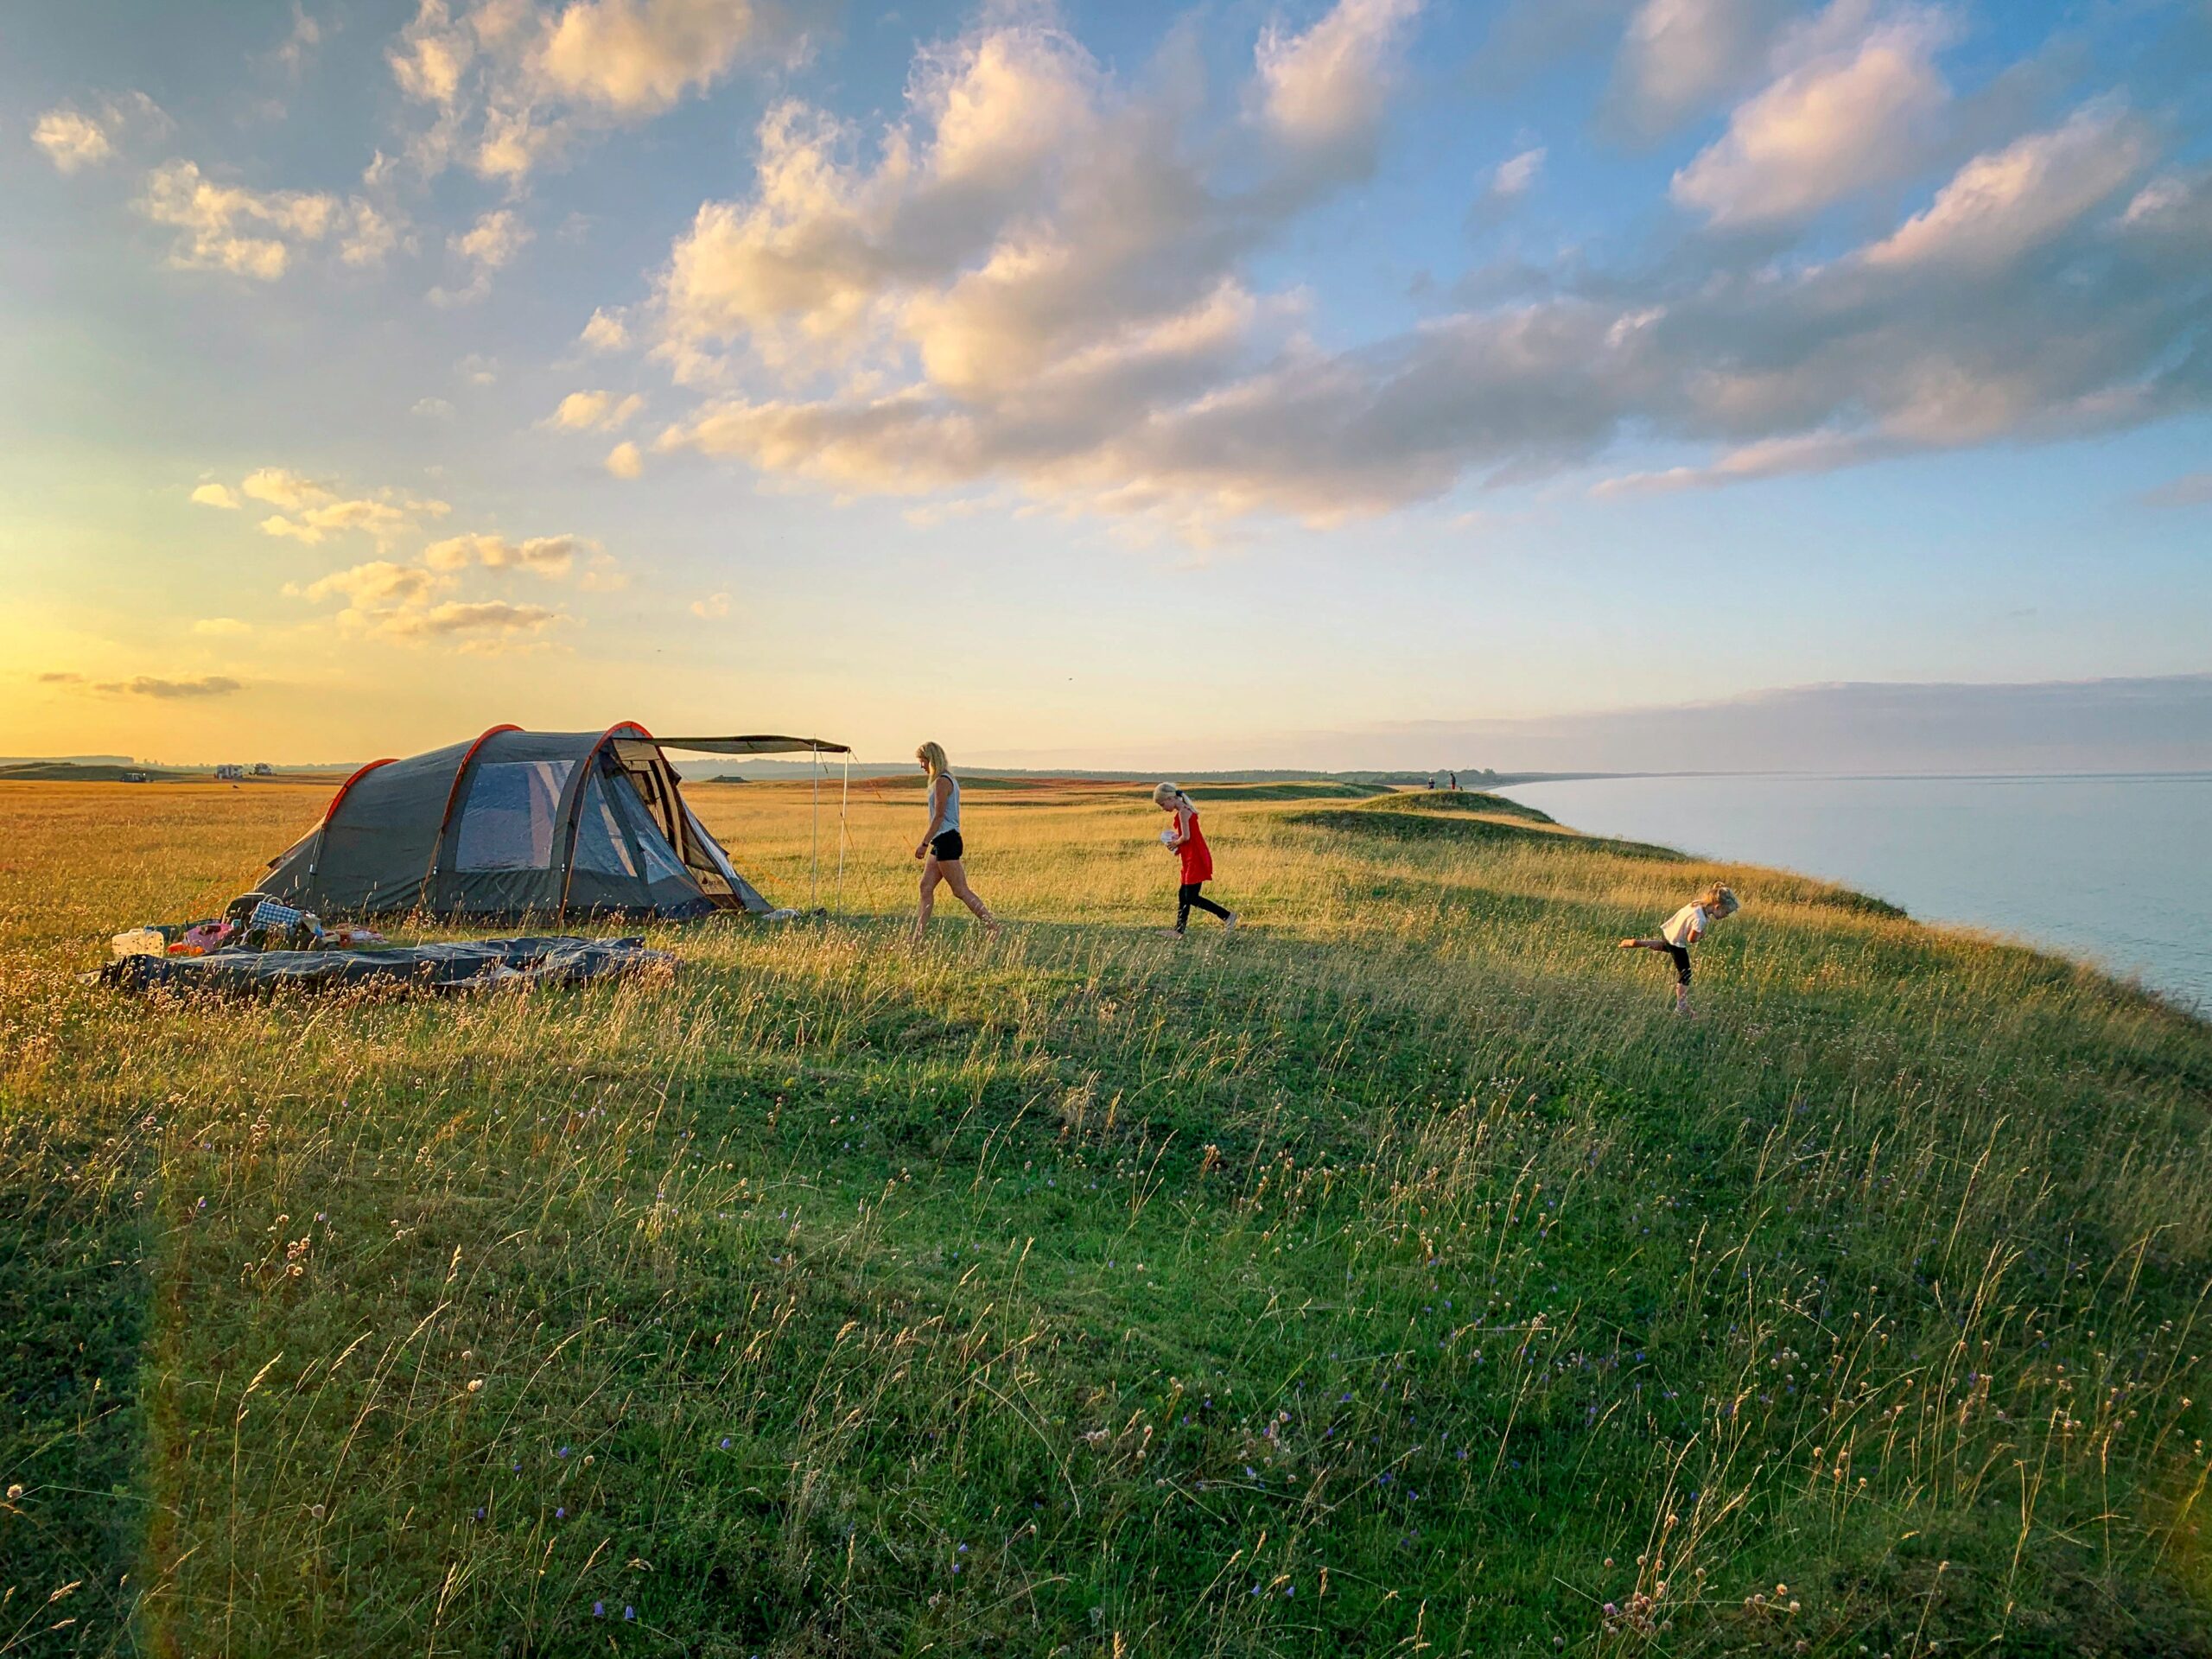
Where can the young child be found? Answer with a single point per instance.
(1684, 929)
(1195, 859)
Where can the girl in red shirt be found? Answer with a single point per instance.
(1188, 842)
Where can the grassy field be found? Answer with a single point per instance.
(1397, 1276)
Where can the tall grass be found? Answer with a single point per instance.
(1397, 1276)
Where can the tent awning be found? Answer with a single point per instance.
(755, 744)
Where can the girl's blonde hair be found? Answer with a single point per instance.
(1163, 793)
(1721, 899)
(933, 756)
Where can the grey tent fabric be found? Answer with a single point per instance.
(516, 825)
(476, 965)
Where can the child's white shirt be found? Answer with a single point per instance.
(1690, 918)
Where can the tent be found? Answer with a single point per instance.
(526, 823)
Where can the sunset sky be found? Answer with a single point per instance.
(1385, 383)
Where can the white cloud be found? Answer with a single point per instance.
(2003, 204)
(228, 228)
(490, 244)
(379, 519)
(550, 557)
(221, 627)
(281, 487)
(371, 235)
(1679, 57)
(379, 585)
(495, 618)
(1029, 226)
(407, 602)
(478, 370)
(1039, 281)
(493, 240)
(509, 85)
(712, 608)
(73, 138)
(148, 685)
(638, 57)
(432, 409)
(256, 232)
(624, 460)
(1516, 176)
(1327, 87)
(594, 411)
(606, 332)
(298, 47)
(1858, 115)
(216, 495)
(313, 510)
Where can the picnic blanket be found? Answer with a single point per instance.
(472, 965)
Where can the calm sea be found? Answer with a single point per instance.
(2116, 870)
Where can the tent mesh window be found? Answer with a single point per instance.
(508, 822)
(601, 846)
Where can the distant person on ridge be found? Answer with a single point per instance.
(941, 847)
(1188, 842)
(1684, 929)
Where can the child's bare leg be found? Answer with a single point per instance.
(1644, 944)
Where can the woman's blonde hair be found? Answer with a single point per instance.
(1163, 793)
(1721, 899)
(933, 756)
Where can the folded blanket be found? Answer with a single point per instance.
(472, 965)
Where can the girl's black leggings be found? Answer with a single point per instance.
(1187, 898)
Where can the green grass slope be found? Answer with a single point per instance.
(1395, 1277)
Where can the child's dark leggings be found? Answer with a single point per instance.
(1187, 897)
(1682, 963)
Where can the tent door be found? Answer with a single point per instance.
(646, 767)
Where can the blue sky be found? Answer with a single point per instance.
(1127, 384)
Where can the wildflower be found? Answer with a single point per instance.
(315, 1510)
(476, 1385)
(15, 1491)
(598, 1610)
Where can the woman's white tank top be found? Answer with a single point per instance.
(951, 805)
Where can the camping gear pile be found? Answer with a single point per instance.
(253, 921)
(444, 969)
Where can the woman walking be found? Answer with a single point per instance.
(941, 848)
(1186, 841)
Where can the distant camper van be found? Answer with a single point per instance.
(229, 774)
(262, 769)
(134, 777)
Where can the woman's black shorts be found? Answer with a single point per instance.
(946, 847)
(1681, 963)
